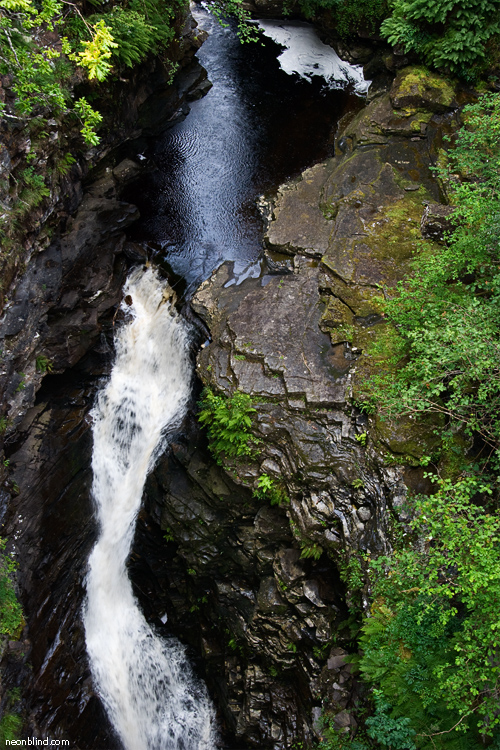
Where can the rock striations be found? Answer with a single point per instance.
(277, 583)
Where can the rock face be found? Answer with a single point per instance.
(56, 334)
(279, 580)
(262, 592)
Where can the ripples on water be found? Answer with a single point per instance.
(255, 128)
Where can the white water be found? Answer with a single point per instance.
(306, 55)
(150, 693)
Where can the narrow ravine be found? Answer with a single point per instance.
(151, 696)
(198, 210)
(259, 125)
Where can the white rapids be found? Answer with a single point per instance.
(151, 696)
(307, 56)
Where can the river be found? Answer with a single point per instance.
(260, 124)
(257, 127)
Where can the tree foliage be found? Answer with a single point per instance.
(42, 42)
(350, 16)
(447, 34)
(431, 645)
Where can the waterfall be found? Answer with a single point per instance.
(151, 696)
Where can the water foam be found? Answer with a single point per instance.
(306, 55)
(152, 698)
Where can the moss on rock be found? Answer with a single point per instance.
(417, 88)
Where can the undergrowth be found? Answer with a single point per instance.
(228, 421)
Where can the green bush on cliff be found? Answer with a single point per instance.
(270, 489)
(42, 71)
(448, 34)
(431, 642)
(228, 421)
(11, 615)
(348, 16)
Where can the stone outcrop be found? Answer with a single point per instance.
(279, 581)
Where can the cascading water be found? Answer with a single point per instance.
(146, 684)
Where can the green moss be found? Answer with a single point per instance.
(408, 438)
(421, 82)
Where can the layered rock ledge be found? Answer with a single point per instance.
(296, 341)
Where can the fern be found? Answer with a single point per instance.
(228, 422)
(448, 34)
(135, 37)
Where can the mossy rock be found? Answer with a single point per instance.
(407, 440)
(416, 88)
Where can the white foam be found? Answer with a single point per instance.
(146, 684)
(307, 56)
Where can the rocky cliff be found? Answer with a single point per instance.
(266, 595)
(274, 590)
(62, 282)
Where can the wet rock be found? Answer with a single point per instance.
(60, 308)
(297, 344)
(337, 660)
(436, 221)
(52, 530)
(269, 599)
(419, 88)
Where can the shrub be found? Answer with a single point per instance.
(228, 421)
(430, 642)
(11, 615)
(448, 34)
(43, 364)
(350, 16)
(10, 726)
(311, 551)
(268, 489)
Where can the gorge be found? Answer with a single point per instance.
(276, 232)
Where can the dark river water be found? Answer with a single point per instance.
(257, 127)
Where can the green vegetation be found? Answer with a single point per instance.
(334, 738)
(43, 364)
(22, 383)
(311, 551)
(451, 35)
(350, 16)
(168, 534)
(224, 9)
(10, 726)
(430, 644)
(431, 640)
(119, 35)
(228, 422)
(269, 489)
(11, 615)
(446, 334)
